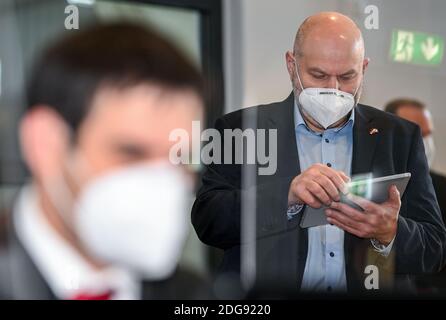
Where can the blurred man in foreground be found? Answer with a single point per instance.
(417, 112)
(104, 208)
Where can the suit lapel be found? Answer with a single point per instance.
(365, 137)
(364, 142)
(288, 165)
(27, 281)
(279, 118)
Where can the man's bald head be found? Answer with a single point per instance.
(328, 53)
(326, 27)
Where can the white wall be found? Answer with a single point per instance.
(259, 32)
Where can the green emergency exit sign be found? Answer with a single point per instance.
(416, 48)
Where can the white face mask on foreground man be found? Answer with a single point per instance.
(133, 217)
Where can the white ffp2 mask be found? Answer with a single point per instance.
(135, 218)
(325, 105)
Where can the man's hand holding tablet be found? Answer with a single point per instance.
(378, 217)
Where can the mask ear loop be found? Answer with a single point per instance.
(302, 111)
(59, 194)
(297, 73)
(356, 92)
(60, 197)
(357, 89)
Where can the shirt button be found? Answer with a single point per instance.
(329, 165)
(332, 254)
(327, 141)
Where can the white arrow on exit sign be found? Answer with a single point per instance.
(429, 48)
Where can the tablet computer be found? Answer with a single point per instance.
(373, 189)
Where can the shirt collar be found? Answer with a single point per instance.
(299, 120)
(64, 269)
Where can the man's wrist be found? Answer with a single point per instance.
(386, 240)
(379, 244)
(381, 241)
(381, 248)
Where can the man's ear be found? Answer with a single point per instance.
(365, 64)
(290, 64)
(44, 140)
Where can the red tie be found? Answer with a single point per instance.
(86, 296)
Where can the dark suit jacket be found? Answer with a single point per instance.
(20, 279)
(439, 182)
(281, 247)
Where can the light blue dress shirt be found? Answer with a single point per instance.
(325, 264)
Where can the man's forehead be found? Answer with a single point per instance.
(142, 112)
(411, 109)
(331, 48)
(143, 101)
(331, 58)
(414, 113)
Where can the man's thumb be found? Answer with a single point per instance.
(394, 196)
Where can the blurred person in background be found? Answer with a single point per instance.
(415, 111)
(104, 213)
